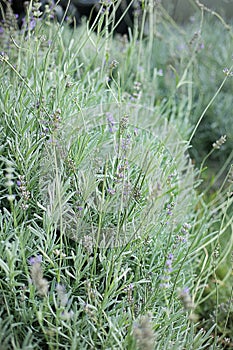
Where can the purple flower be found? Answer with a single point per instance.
(32, 24)
(111, 191)
(169, 208)
(168, 262)
(185, 291)
(125, 142)
(167, 271)
(111, 122)
(186, 299)
(35, 260)
(160, 72)
(131, 286)
(185, 228)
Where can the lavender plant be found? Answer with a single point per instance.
(105, 241)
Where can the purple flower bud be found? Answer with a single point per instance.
(160, 72)
(111, 191)
(185, 290)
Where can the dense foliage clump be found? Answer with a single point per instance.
(111, 236)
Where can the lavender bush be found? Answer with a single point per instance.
(106, 242)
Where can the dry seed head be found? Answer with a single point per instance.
(40, 283)
(219, 142)
(144, 334)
